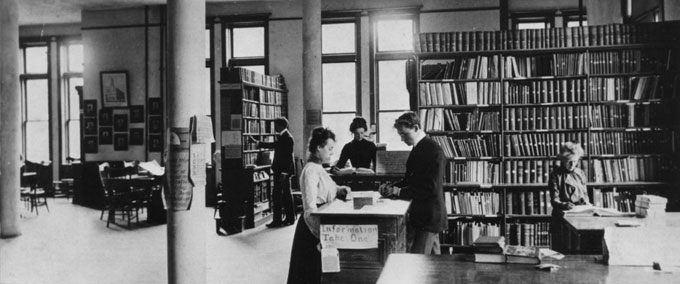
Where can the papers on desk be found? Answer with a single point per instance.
(355, 171)
(590, 210)
(153, 168)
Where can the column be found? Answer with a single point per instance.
(186, 64)
(10, 119)
(311, 66)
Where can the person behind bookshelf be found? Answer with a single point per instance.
(318, 189)
(360, 151)
(283, 168)
(422, 184)
(567, 185)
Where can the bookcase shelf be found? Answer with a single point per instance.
(609, 90)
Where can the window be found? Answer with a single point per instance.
(339, 80)
(573, 18)
(246, 44)
(392, 44)
(72, 77)
(34, 80)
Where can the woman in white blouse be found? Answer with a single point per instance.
(317, 189)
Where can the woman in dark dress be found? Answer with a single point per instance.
(317, 189)
(360, 152)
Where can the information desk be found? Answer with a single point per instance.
(459, 268)
(583, 234)
(364, 265)
(366, 182)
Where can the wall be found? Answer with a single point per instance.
(671, 9)
(602, 12)
(115, 40)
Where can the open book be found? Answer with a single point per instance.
(355, 171)
(590, 210)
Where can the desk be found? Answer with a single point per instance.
(584, 233)
(364, 265)
(427, 269)
(363, 182)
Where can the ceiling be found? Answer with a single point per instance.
(36, 12)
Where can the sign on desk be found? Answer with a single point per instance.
(349, 236)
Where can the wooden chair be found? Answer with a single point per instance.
(39, 186)
(295, 185)
(119, 198)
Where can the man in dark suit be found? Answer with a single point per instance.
(423, 185)
(283, 168)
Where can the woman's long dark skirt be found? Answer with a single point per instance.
(305, 258)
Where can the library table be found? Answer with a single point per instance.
(583, 234)
(364, 265)
(459, 268)
(366, 182)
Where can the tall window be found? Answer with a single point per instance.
(533, 21)
(72, 77)
(34, 80)
(339, 49)
(246, 44)
(392, 42)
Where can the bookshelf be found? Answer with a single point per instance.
(501, 103)
(250, 102)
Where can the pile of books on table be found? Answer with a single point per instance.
(650, 205)
(492, 249)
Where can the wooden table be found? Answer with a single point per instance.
(366, 182)
(426, 269)
(364, 265)
(583, 234)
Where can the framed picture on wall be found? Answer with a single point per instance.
(120, 142)
(155, 106)
(90, 126)
(136, 136)
(90, 144)
(89, 107)
(105, 117)
(120, 122)
(114, 89)
(105, 136)
(155, 124)
(136, 114)
(155, 143)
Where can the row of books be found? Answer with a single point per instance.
(557, 64)
(472, 203)
(465, 233)
(241, 74)
(540, 144)
(628, 169)
(251, 126)
(545, 91)
(628, 61)
(480, 146)
(449, 120)
(528, 234)
(270, 112)
(474, 67)
(628, 115)
(602, 35)
(251, 109)
(620, 143)
(261, 190)
(625, 88)
(621, 201)
(531, 171)
(271, 97)
(478, 172)
(467, 93)
(546, 117)
(531, 202)
(249, 159)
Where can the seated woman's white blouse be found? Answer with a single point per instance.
(317, 187)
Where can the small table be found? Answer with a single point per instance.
(584, 233)
(459, 268)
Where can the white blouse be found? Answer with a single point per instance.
(317, 187)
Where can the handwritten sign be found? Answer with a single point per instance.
(349, 236)
(197, 169)
(201, 130)
(181, 191)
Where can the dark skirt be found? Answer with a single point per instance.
(305, 258)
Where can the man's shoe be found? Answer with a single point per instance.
(288, 222)
(274, 225)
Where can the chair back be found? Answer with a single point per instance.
(295, 179)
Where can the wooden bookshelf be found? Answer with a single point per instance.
(249, 104)
(502, 102)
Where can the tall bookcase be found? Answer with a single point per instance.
(501, 103)
(250, 102)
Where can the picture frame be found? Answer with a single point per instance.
(90, 144)
(136, 114)
(120, 122)
(156, 143)
(106, 117)
(155, 106)
(136, 136)
(105, 136)
(89, 107)
(155, 124)
(114, 89)
(120, 142)
(90, 126)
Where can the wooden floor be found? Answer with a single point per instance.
(71, 245)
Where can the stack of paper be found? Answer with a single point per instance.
(650, 205)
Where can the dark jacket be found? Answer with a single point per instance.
(283, 153)
(423, 184)
(361, 153)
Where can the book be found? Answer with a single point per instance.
(489, 245)
(355, 171)
(490, 257)
(522, 254)
(590, 210)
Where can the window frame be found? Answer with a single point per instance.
(244, 21)
(336, 18)
(65, 98)
(23, 83)
(547, 18)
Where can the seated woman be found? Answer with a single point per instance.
(567, 185)
(360, 152)
(317, 189)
